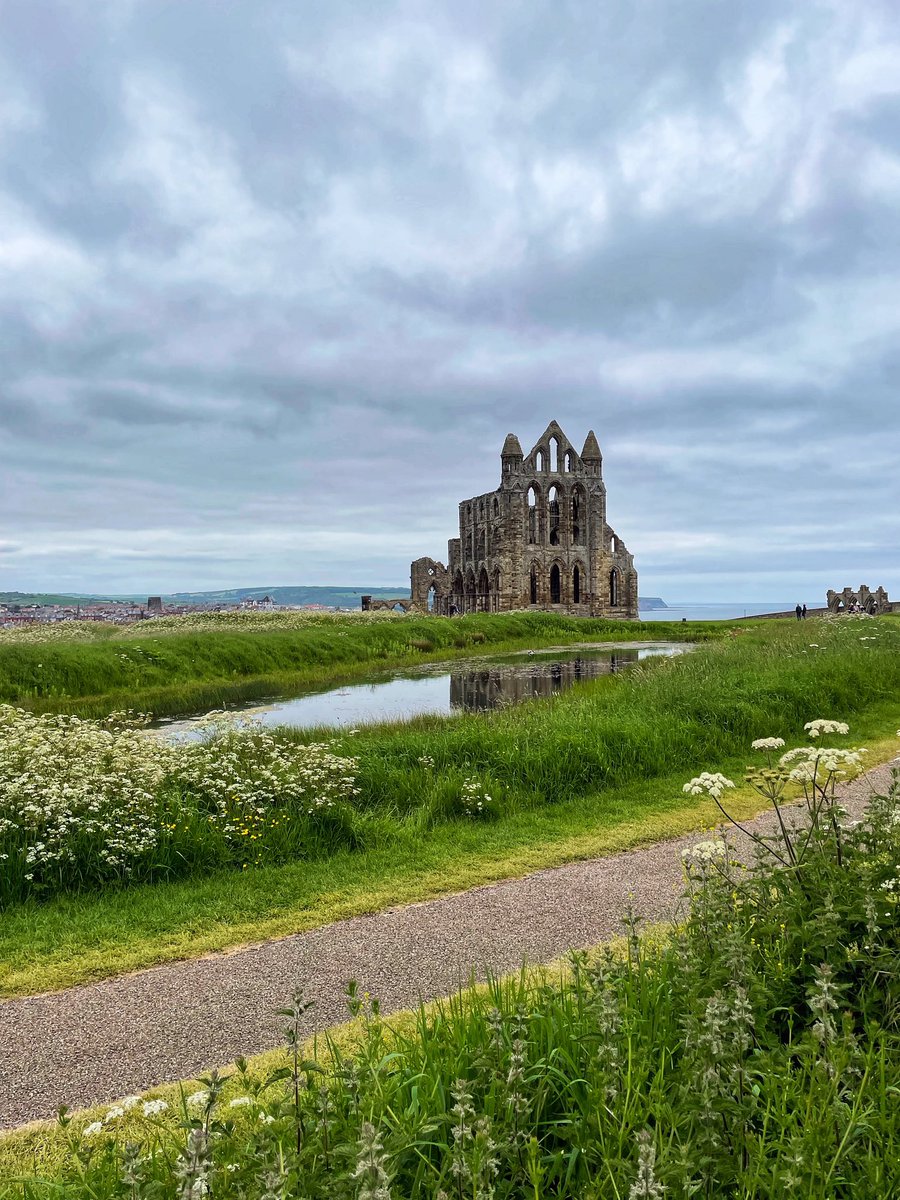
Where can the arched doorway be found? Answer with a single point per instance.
(555, 588)
(484, 591)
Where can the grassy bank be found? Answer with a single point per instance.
(181, 665)
(754, 1054)
(596, 769)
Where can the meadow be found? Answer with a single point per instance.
(752, 1053)
(173, 666)
(150, 851)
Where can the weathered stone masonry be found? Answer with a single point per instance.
(540, 541)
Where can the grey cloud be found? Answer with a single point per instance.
(277, 272)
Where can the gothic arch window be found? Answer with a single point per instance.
(533, 514)
(458, 597)
(484, 591)
(470, 592)
(496, 507)
(554, 454)
(533, 590)
(553, 515)
(570, 460)
(576, 585)
(495, 591)
(555, 584)
(614, 544)
(540, 460)
(431, 603)
(613, 588)
(578, 516)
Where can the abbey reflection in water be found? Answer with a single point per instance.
(494, 687)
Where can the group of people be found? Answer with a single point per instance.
(800, 610)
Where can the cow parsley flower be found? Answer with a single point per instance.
(817, 728)
(767, 743)
(708, 783)
(152, 1108)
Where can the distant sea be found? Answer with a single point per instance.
(715, 612)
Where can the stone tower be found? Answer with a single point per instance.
(539, 541)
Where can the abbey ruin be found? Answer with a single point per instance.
(539, 541)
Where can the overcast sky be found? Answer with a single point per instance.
(277, 277)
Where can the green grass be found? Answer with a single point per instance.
(596, 769)
(752, 1053)
(164, 668)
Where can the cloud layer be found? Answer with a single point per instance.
(276, 280)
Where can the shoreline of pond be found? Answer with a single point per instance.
(476, 683)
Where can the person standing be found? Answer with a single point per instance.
(804, 612)
(799, 611)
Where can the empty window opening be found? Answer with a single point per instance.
(577, 534)
(554, 584)
(613, 588)
(553, 514)
(532, 515)
(576, 586)
(534, 585)
(540, 461)
(554, 454)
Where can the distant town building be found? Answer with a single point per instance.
(155, 605)
(538, 541)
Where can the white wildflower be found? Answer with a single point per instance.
(768, 743)
(708, 783)
(817, 728)
(152, 1108)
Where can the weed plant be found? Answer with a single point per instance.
(86, 804)
(754, 1054)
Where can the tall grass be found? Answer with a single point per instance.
(665, 716)
(169, 668)
(754, 1056)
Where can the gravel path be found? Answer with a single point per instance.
(100, 1042)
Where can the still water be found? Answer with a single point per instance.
(443, 689)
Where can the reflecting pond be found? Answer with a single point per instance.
(473, 685)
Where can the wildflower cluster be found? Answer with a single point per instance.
(88, 802)
(474, 801)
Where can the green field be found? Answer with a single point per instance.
(179, 665)
(596, 768)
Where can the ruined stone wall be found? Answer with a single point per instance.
(863, 600)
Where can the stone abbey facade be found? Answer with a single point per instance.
(539, 541)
